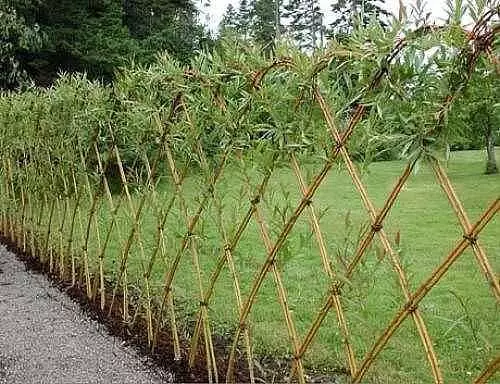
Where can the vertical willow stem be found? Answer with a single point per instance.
(47, 234)
(23, 218)
(70, 250)
(62, 253)
(12, 193)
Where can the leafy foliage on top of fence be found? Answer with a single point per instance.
(113, 186)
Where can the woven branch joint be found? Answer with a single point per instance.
(336, 288)
(297, 357)
(412, 307)
(472, 239)
(243, 326)
(255, 200)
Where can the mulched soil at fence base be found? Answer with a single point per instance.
(269, 369)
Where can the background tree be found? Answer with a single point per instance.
(82, 36)
(229, 20)
(16, 38)
(306, 23)
(99, 36)
(266, 22)
(245, 18)
(352, 13)
(164, 25)
(476, 118)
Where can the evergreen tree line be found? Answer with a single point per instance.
(302, 21)
(40, 38)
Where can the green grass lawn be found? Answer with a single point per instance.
(460, 311)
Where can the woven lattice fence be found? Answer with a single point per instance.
(156, 257)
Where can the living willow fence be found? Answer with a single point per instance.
(153, 256)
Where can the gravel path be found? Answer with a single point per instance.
(46, 339)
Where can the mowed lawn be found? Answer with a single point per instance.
(460, 312)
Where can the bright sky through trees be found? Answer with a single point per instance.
(213, 16)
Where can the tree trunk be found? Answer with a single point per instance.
(354, 16)
(277, 20)
(96, 5)
(491, 164)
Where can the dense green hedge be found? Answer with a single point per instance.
(237, 97)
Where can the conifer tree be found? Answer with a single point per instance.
(306, 22)
(266, 22)
(352, 13)
(147, 17)
(229, 20)
(245, 18)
